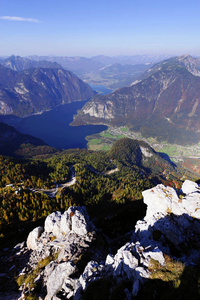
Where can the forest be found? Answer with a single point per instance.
(113, 198)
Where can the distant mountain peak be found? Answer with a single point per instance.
(184, 56)
(36, 90)
(164, 102)
(18, 63)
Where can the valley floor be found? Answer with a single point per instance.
(186, 156)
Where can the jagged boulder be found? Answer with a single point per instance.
(56, 279)
(189, 187)
(130, 263)
(65, 238)
(52, 223)
(159, 199)
(171, 222)
(75, 219)
(164, 200)
(33, 237)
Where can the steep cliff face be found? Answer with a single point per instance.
(168, 95)
(37, 90)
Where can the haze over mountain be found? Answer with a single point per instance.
(164, 104)
(113, 72)
(131, 60)
(18, 63)
(76, 64)
(36, 90)
(115, 75)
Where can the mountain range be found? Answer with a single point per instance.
(131, 59)
(18, 63)
(113, 72)
(76, 64)
(36, 90)
(116, 75)
(164, 102)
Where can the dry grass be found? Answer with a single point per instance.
(172, 270)
(174, 281)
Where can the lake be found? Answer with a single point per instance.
(53, 126)
(103, 90)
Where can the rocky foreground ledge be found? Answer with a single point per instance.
(52, 261)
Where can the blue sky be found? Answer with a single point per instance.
(108, 27)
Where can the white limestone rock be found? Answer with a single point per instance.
(159, 199)
(58, 277)
(191, 204)
(109, 260)
(91, 273)
(80, 221)
(33, 237)
(125, 262)
(75, 219)
(189, 187)
(164, 200)
(170, 222)
(52, 223)
(65, 223)
(155, 254)
(146, 152)
(69, 287)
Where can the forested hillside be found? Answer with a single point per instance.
(107, 183)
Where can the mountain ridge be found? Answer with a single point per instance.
(18, 63)
(36, 90)
(170, 94)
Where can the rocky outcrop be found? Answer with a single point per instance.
(171, 226)
(33, 237)
(53, 251)
(59, 279)
(172, 221)
(74, 220)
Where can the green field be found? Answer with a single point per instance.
(95, 141)
(105, 139)
(124, 129)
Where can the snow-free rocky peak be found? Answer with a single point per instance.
(73, 221)
(171, 226)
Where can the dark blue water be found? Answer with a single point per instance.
(53, 126)
(101, 89)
